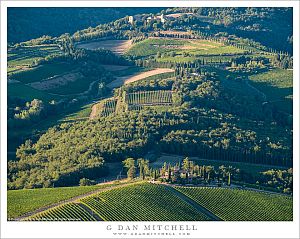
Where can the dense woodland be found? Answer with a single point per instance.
(27, 23)
(208, 118)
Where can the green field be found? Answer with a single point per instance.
(242, 205)
(28, 93)
(42, 72)
(150, 47)
(277, 84)
(23, 57)
(27, 200)
(82, 113)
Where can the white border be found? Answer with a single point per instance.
(98, 229)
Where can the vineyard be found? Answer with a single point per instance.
(242, 205)
(134, 101)
(66, 212)
(153, 202)
(142, 202)
(108, 107)
(159, 97)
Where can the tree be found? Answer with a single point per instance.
(129, 163)
(86, 182)
(144, 168)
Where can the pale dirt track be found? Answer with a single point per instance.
(132, 78)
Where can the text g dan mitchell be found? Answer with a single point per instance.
(152, 227)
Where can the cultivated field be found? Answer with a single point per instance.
(154, 45)
(22, 58)
(144, 201)
(42, 72)
(28, 200)
(132, 78)
(277, 85)
(56, 82)
(242, 205)
(116, 46)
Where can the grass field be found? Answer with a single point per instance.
(28, 93)
(23, 57)
(194, 47)
(242, 205)
(277, 84)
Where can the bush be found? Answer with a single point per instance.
(86, 182)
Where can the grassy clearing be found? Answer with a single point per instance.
(129, 71)
(42, 72)
(152, 46)
(23, 201)
(75, 87)
(84, 112)
(277, 84)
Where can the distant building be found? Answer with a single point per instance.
(162, 18)
(130, 19)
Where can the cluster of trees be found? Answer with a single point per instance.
(132, 166)
(281, 180)
(187, 171)
(282, 61)
(70, 148)
(22, 113)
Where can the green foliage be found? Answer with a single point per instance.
(86, 182)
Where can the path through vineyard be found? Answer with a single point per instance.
(74, 199)
(193, 204)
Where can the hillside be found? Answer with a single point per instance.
(180, 97)
(27, 23)
(150, 202)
